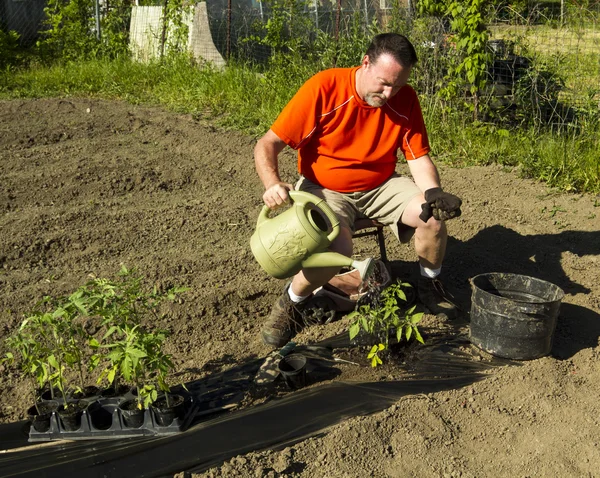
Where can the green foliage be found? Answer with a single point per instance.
(134, 354)
(67, 34)
(71, 34)
(176, 29)
(51, 345)
(10, 53)
(388, 315)
(466, 47)
(114, 28)
(31, 352)
(536, 95)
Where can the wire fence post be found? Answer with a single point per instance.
(163, 35)
(338, 11)
(98, 33)
(228, 45)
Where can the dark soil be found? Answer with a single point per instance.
(89, 185)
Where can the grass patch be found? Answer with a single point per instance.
(245, 99)
(568, 161)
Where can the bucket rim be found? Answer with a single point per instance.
(558, 291)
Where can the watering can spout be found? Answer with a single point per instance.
(333, 259)
(364, 267)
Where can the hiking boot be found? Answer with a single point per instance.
(433, 296)
(285, 321)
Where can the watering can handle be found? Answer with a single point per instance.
(301, 198)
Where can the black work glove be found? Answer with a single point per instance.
(439, 204)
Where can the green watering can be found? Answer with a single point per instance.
(299, 237)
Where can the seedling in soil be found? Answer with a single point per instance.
(122, 305)
(387, 315)
(552, 212)
(135, 355)
(31, 354)
(50, 346)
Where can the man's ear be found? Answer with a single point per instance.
(365, 61)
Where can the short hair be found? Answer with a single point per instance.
(394, 44)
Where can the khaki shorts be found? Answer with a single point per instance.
(384, 204)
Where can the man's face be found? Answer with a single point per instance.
(381, 80)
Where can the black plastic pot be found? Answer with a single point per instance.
(165, 414)
(48, 395)
(41, 415)
(70, 414)
(514, 316)
(101, 413)
(293, 369)
(133, 417)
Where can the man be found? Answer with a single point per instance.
(347, 125)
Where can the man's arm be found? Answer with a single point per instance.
(438, 203)
(266, 153)
(424, 173)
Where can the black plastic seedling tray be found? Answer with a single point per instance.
(106, 411)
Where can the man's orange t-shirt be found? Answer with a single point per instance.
(343, 143)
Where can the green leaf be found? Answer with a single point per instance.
(137, 353)
(126, 368)
(399, 333)
(110, 376)
(53, 362)
(408, 333)
(60, 312)
(354, 330)
(352, 314)
(418, 336)
(109, 332)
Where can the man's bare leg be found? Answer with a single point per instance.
(430, 245)
(286, 316)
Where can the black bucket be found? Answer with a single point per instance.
(514, 316)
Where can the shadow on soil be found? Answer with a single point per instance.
(500, 249)
(578, 328)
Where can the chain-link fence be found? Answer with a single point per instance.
(547, 58)
(24, 17)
